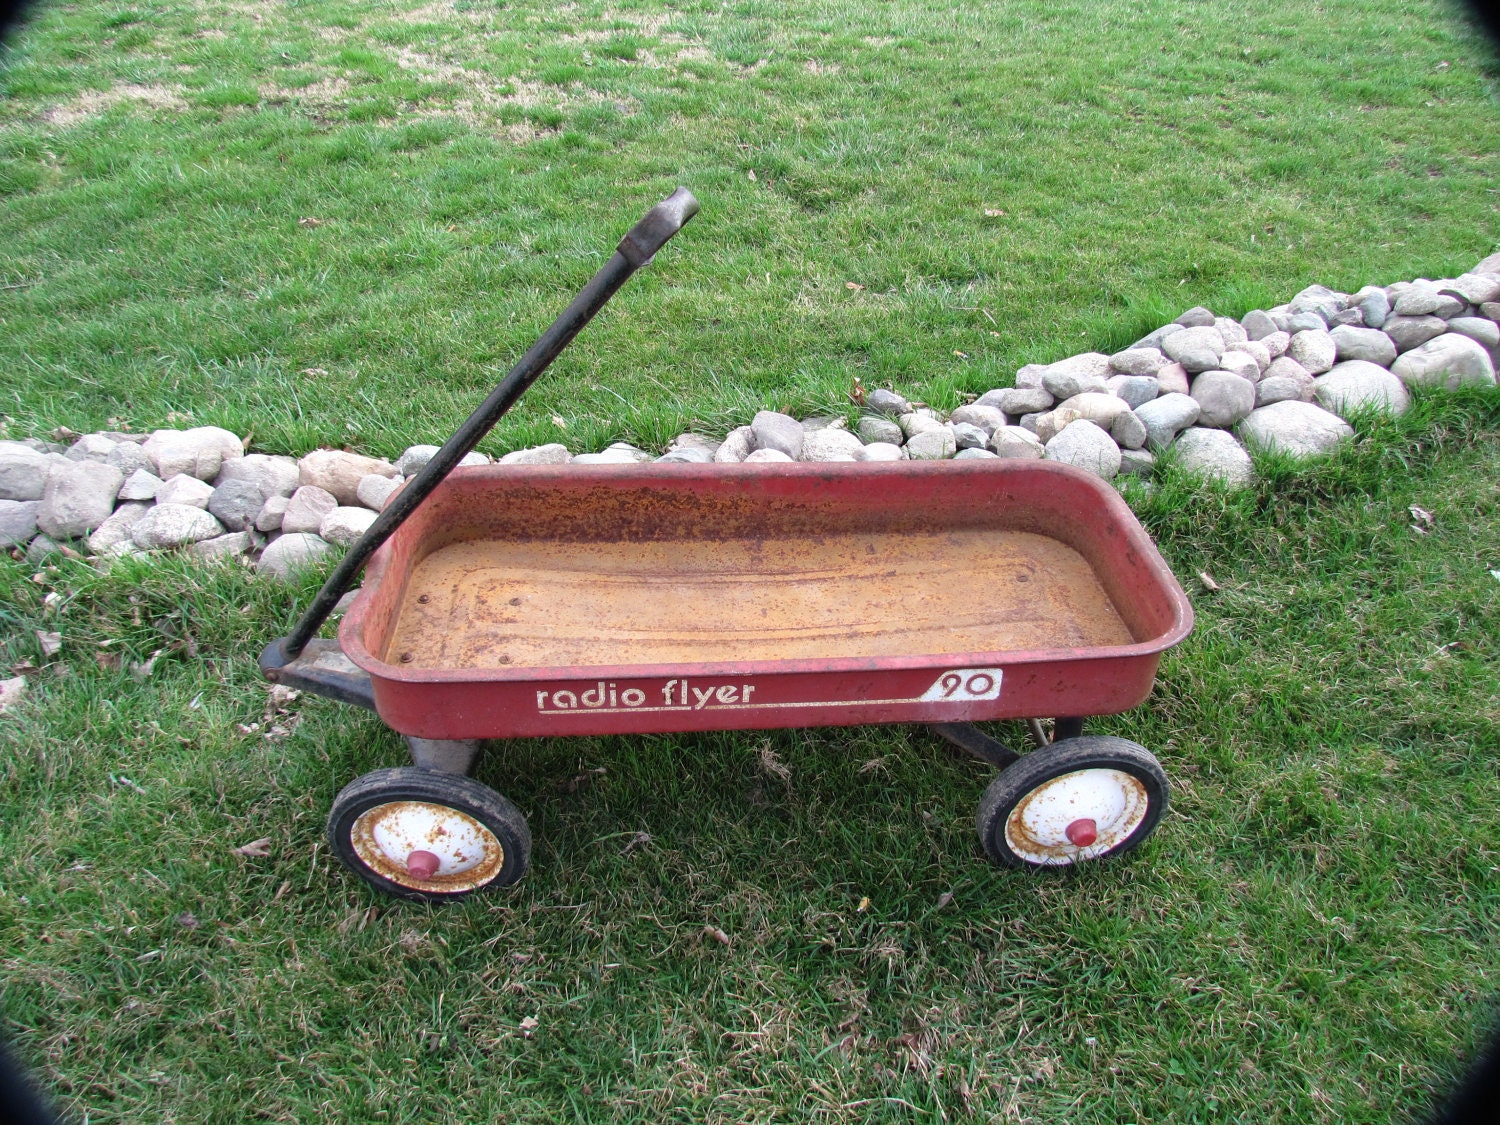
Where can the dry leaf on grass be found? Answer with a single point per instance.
(1421, 515)
(529, 1026)
(50, 642)
(993, 213)
(309, 222)
(11, 691)
(864, 904)
(717, 934)
(773, 765)
(853, 285)
(1208, 580)
(256, 849)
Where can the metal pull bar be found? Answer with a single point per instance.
(636, 249)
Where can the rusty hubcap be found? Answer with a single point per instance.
(427, 846)
(1076, 816)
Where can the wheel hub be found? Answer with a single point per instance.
(427, 846)
(1076, 816)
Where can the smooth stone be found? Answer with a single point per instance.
(879, 431)
(1408, 332)
(173, 525)
(1281, 388)
(1098, 407)
(886, 402)
(1076, 375)
(987, 418)
(285, 556)
(1223, 397)
(1368, 344)
(1301, 322)
(1319, 299)
(882, 451)
(117, 528)
(1490, 310)
(553, 453)
(373, 491)
(1166, 415)
(1214, 455)
(1277, 343)
(765, 456)
(1232, 331)
(415, 459)
(42, 548)
(620, 453)
(1017, 443)
(1053, 422)
(272, 512)
(1419, 300)
(1281, 318)
(1449, 361)
(1028, 422)
(1138, 361)
(913, 424)
(830, 445)
(817, 422)
(306, 509)
(780, 432)
(1314, 350)
(933, 445)
(1373, 303)
(339, 472)
(1489, 267)
(18, 521)
(1128, 430)
(691, 440)
(236, 503)
(1154, 339)
(184, 489)
(1016, 401)
(1196, 317)
(1358, 384)
(1299, 429)
(1240, 363)
(142, 484)
(1256, 350)
(1136, 462)
(92, 447)
(130, 458)
(78, 497)
(966, 436)
(273, 475)
(1083, 444)
(23, 472)
(1028, 377)
(975, 453)
(697, 455)
(1197, 349)
(1351, 318)
(233, 545)
(739, 442)
(1257, 325)
(1485, 333)
(1173, 379)
(1134, 389)
(344, 524)
(1474, 288)
(199, 452)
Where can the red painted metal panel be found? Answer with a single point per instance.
(639, 503)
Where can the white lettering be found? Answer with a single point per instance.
(594, 697)
(727, 694)
(702, 695)
(632, 697)
(558, 697)
(666, 692)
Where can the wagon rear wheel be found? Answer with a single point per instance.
(1076, 800)
(428, 836)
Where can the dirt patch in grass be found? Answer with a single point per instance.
(95, 102)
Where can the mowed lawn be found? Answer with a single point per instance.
(337, 224)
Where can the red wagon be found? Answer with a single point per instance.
(513, 601)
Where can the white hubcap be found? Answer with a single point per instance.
(468, 854)
(1103, 803)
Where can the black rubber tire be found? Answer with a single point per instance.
(1096, 751)
(408, 783)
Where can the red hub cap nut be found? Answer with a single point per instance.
(1081, 833)
(424, 865)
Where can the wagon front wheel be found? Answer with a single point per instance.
(1078, 799)
(428, 836)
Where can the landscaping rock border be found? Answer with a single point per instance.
(1205, 386)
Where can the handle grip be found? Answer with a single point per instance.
(664, 220)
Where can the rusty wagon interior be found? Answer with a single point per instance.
(526, 573)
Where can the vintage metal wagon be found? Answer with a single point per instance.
(513, 601)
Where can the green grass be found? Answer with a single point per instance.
(1311, 935)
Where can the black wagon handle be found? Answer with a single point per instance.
(636, 249)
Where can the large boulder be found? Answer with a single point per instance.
(1076, 375)
(1166, 415)
(274, 476)
(780, 432)
(1449, 361)
(1314, 350)
(173, 525)
(1197, 349)
(1368, 344)
(1223, 398)
(23, 472)
(1408, 332)
(199, 452)
(17, 522)
(1087, 446)
(1359, 385)
(339, 472)
(284, 557)
(1297, 428)
(830, 445)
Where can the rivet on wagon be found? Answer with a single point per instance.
(424, 598)
(505, 660)
(406, 658)
(515, 601)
